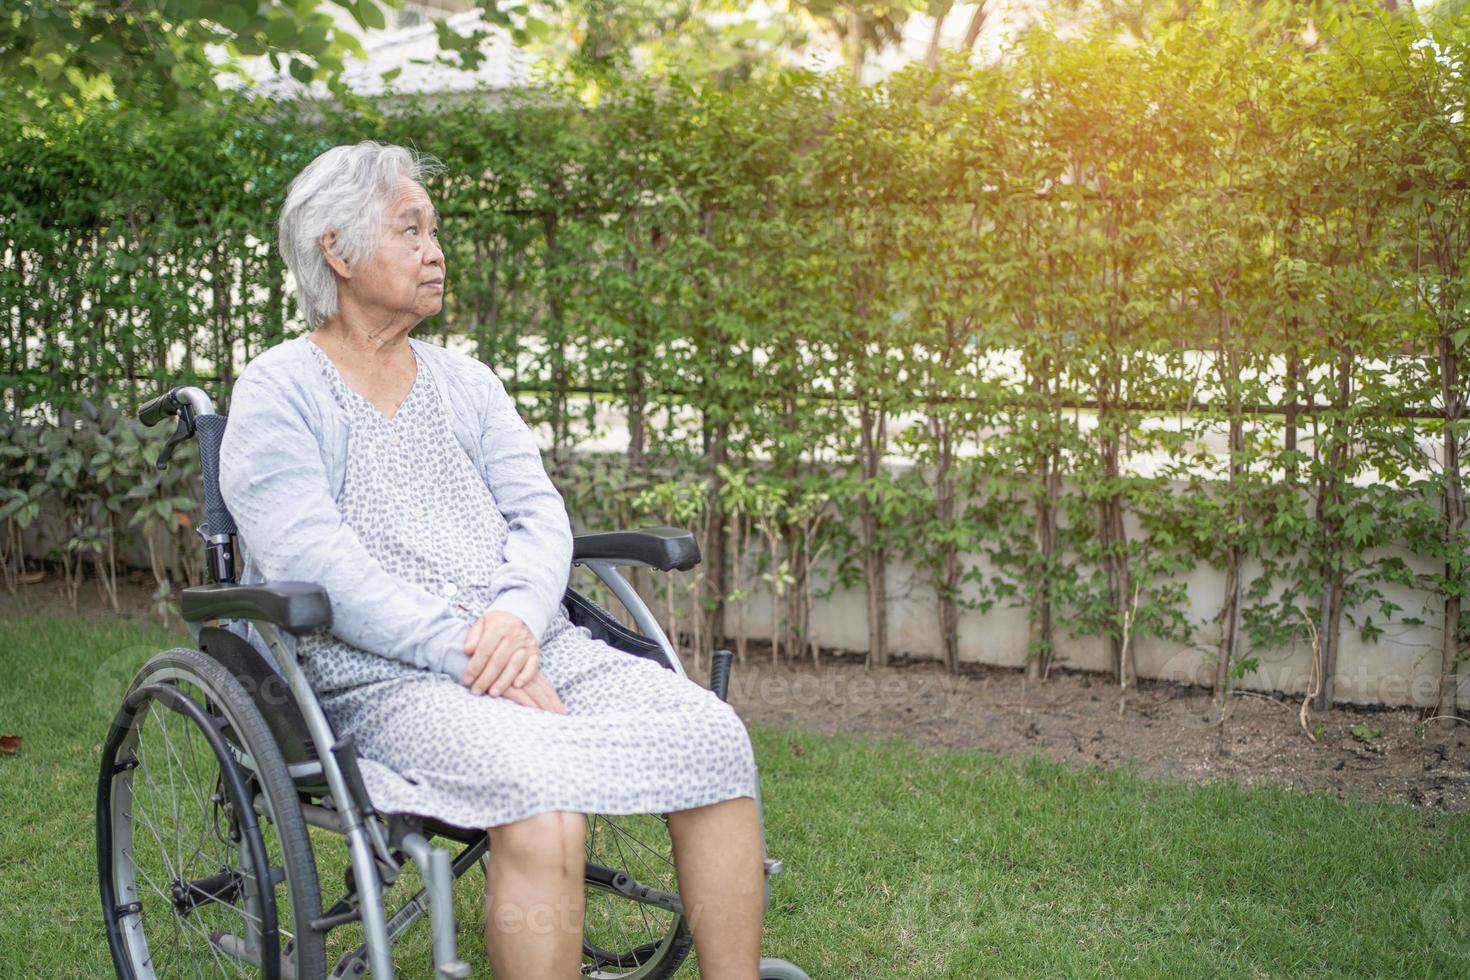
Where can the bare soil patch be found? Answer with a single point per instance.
(43, 593)
(1166, 730)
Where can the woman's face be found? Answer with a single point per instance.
(404, 277)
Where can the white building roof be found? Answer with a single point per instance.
(414, 53)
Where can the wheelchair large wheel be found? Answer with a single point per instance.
(204, 862)
(632, 929)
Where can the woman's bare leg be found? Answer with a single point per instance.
(717, 853)
(534, 896)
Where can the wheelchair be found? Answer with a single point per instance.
(220, 764)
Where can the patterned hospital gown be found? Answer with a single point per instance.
(637, 738)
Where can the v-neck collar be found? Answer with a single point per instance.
(418, 375)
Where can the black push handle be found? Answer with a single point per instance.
(169, 405)
(155, 410)
(197, 419)
(719, 673)
(210, 431)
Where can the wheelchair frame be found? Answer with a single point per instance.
(330, 789)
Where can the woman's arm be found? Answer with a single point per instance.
(274, 481)
(538, 551)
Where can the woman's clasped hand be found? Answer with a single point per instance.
(505, 661)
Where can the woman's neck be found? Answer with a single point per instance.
(360, 343)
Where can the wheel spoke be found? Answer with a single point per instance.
(624, 940)
(628, 867)
(177, 937)
(613, 902)
(159, 714)
(184, 925)
(653, 852)
(143, 758)
(187, 776)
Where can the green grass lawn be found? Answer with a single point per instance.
(901, 862)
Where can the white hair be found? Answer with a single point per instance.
(344, 190)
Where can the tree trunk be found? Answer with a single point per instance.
(931, 55)
(1329, 501)
(1454, 526)
(559, 373)
(742, 611)
(1112, 534)
(1044, 504)
(129, 339)
(1235, 554)
(487, 309)
(874, 559)
(717, 453)
(1123, 586)
(636, 355)
(853, 45)
(717, 560)
(19, 357)
(972, 32)
(224, 368)
(275, 311)
(1229, 623)
(1043, 629)
(1229, 626)
(794, 637)
(1293, 396)
(1331, 628)
(949, 564)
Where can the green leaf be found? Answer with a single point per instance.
(281, 31)
(369, 15)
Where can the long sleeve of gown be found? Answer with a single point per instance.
(538, 550)
(274, 482)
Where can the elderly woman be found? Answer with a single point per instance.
(399, 476)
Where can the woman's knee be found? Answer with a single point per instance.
(551, 842)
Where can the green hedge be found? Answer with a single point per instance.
(1024, 277)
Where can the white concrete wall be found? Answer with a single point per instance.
(1401, 668)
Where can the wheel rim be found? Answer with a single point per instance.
(183, 848)
(624, 937)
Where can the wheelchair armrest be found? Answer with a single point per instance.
(663, 548)
(296, 607)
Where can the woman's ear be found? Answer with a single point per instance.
(339, 265)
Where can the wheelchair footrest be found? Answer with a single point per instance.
(624, 884)
(236, 948)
